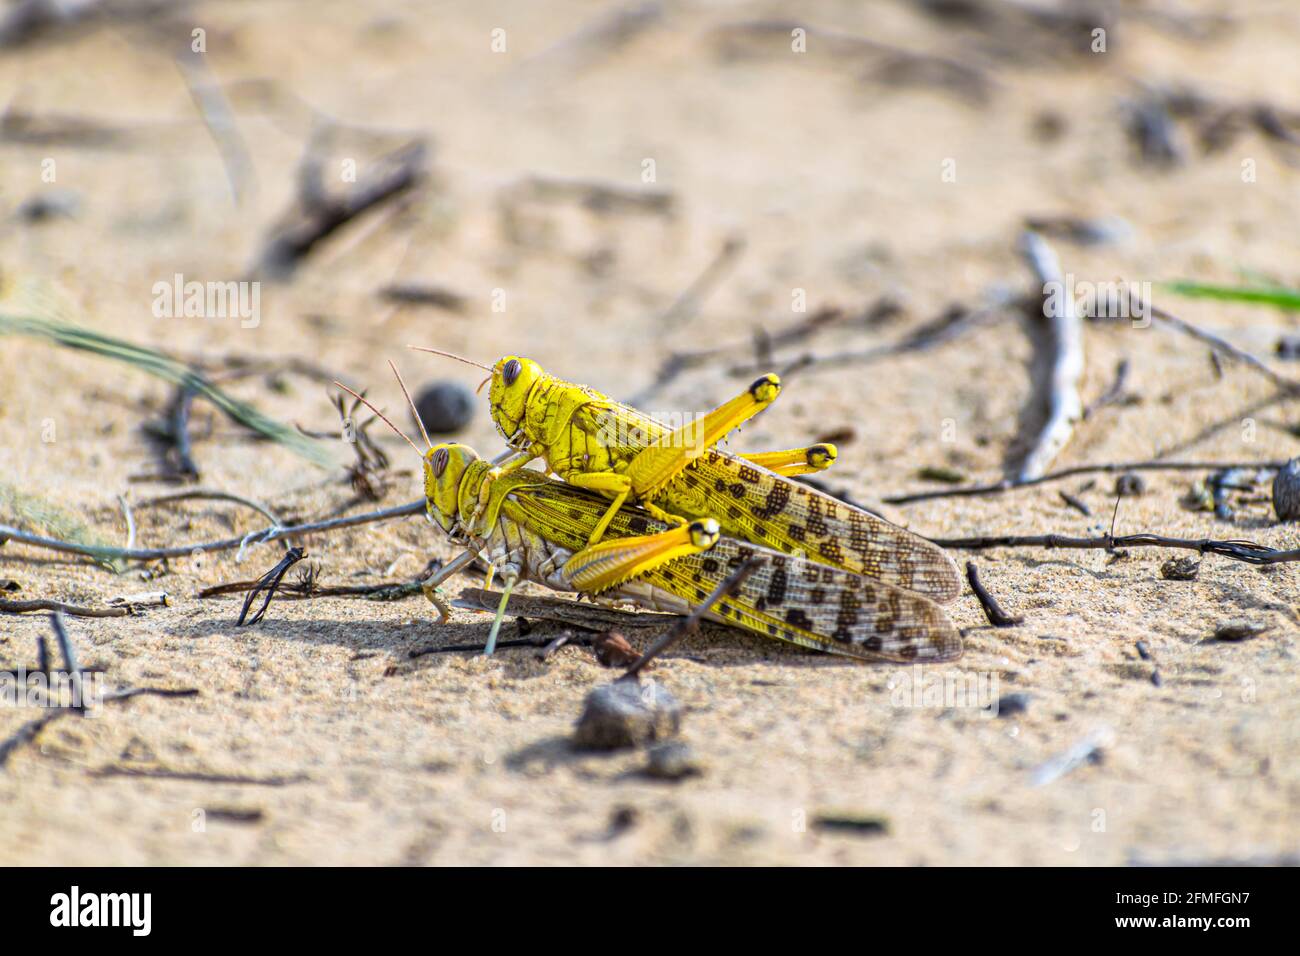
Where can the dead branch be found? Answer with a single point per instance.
(992, 609)
(1114, 392)
(1246, 551)
(1064, 406)
(214, 109)
(594, 196)
(892, 63)
(28, 732)
(1106, 468)
(687, 304)
(1219, 344)
(274, 533)
(316, 214)
(74, 610)
(590, 617)
(951, 324)
(268, 583)
(205, 494)
(691, 623)
(610, 31)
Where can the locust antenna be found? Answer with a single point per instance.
(363, 400)
(451, 355)
(414, 411)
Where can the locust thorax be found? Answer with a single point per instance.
(513, 379)
(445, 468)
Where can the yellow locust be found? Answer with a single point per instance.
(537, 528)
(677, 474)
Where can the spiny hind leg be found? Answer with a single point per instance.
(796, 461)
(659, 464)
(602, 566)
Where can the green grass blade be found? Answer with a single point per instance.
(1256, 295)
(170, 370)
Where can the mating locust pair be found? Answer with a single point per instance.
(659, 517)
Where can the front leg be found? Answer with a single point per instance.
(608, 483)
(510, 463)
(434, 593)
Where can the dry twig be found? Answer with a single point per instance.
(691, 623)
(1064, 407)
(992, 609)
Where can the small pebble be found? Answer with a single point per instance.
(1286, 491)
(1130, 484)
(445, 407)
(672, 760)
(613, 650)
(1143, 650)
(44, 206)
(1200, 497)
(852, 823)
(627, 714)
(949, 476)
(621, 819)
(1011, 704)
(1288, 347)
(1240, 630)
(1180, 569)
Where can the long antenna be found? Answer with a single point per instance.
(451, 355)
(414, 411)
(364, 401)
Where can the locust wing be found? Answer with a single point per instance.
(788, 597)
(761, 506)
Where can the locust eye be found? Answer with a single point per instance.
(439, 462)
(511, 371)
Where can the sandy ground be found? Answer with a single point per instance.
(350, 751)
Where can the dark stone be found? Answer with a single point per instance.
(672, 760)
(1130, 485)
(1180, 569)
(1286, 491)
(445, 407)
(627, 714)
(1240, 630)
(1011, 704)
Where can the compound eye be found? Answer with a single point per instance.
(439, 462)
(511, 372)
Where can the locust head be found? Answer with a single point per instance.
(445, 467)
(513, 379)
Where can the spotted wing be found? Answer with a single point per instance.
(815, 605)
(787, 597)
(761, 506)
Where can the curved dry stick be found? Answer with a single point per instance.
(1065, 407)
(212, 495)
(273, 533)
(1113, 467)
(1246, 551)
